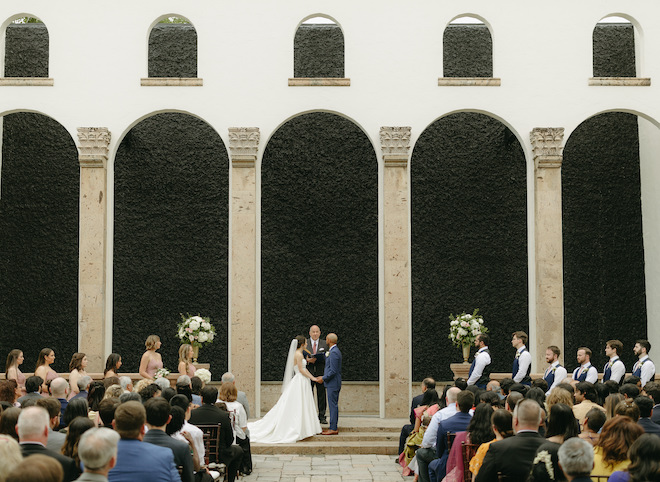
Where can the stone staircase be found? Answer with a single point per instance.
(357, 435)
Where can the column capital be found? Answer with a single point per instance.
(93, 146)
(547, 146)
(243, 146)
(395, 144)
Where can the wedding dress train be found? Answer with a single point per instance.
(293, 417)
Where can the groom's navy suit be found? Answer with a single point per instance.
(332, 381)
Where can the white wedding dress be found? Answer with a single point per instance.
(293, 417)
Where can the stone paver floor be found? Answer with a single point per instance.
(324, 468)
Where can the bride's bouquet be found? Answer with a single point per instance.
(196, 330)
(161, 373)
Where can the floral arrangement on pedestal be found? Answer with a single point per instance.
(203, 374)
(161, 373)
(464, 329)
(197, 331)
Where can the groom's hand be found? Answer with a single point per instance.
(311, 359)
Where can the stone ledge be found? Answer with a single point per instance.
(27, 81)
(319, 82)
(469, 81)
(171, 82)
(621, 81)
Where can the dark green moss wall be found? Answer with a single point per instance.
(26, 50)
(614, 50)
(170, 239)
(318, 51)
(173, 50)
(319, 242)
(467, 51)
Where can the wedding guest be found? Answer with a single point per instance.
(77, 367)
(652, 389)
(37, 467)
(10, 455)
(479, 431)
(83, 387)
(112, 365)
(12, 372)
(592, 425)
(168, 393)
(241, 397)
(113, 391)
(627, 408)
(107, 409)
(576, 458)
(645, 406)
(611, 401)
(644, 457)
(55, 437)
(9, 392)
(185, 360)
(8, 421)
(59, 389)
(195, 432)
(228, 394)
(75, 408)
(76, 428)
(32, 387)
(629, 391)
(611, 451)
(130, 397)
(501, 421)
(164, 383)
(559, 395)
(196, 385)
(126, 383)
(109, 381)
(150, 391)
(142, 384)
(98, 453)
(43, 369)
(585, 396)
(151, 360)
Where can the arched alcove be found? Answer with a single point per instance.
(469, 238)
(614, 48)
(173, 48)
(26, 44)
(467, 48)
(319, 241)
(39, 195)
(318, 49)
(603, 248)
(170, 236)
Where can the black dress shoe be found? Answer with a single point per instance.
(323, 420)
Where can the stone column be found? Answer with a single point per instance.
(245, 349)
(547, 149)
(93, 158)
(395, 144)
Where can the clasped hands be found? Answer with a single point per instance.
(317, 379)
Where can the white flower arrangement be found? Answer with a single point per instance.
(196, 330)
(161, 373)
(464, 328)
(203, 374)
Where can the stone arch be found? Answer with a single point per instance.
(467, 47)
(617, 49)
(172, 48)
(39, 204)
(469, 237)
(24, 47)
(318, 48)
(319, 241)
(170, 235)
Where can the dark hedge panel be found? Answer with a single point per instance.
(614, 50)
(469, 238)
(38, 239)
(467, 51)
(319, 242)
(26, 50)
(170, 252)
(173, 51)
(318, 51)
(604, 288)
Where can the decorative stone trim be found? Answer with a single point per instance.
(243, 146)
(94, 142)
(395, 144)
(319, 82)
(547, 146)
(469, 81)
(621, 81)
(171, 82)
(27, 81)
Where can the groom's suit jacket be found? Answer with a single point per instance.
(317, 368)
(332, 373)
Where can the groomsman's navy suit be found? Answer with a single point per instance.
(332, 381)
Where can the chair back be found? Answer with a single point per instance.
(450, 440)
(213, 449)
(600, 478)
(503, 478)
(207, 446)
(468, 451)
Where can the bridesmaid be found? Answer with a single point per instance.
(185, 360)
(77, 369)
(43, 369)
(112, 365)
(151, 361)
(12, 372)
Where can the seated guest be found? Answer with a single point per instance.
(416, 402)
(423, 415)
(431, 434)
(513, 456)
(184, 389)
(55, 438)
(501, 421)
(627, 408)
(8, 421)
(494, 387)
(228, 394)
(83, 386)
(75, 408)
(479, 431)
(628, 390)
(158, 416)
(168, 393)
(505, 385)
(512, 400)
(32, 387)
(559, 395)
(10, 455)
(32, 431)
(36, 467)
(162, 383)
(107, 409)
(113, 391)
(137, 388)
(644, 465)
(98, 453)
(540, 383)
(492, 399)
(652, 389)
(126, 383)
(612, 386)
(611, 451)
(585, 396)
(645, 406)
(196, 385)
(59, 388)
(109, 381)
(576, 459)
(9, 392)
(242, 397)
(196, 434)
(76, 428)
(150, 391)
(461, 383)
(593, 422)
(137, 460)
(611, 401)
(633, 380)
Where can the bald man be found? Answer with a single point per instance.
(315, 356)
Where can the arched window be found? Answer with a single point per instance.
(614, 48)
(318, 53)
(26, 48)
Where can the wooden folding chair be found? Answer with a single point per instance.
(468, 451)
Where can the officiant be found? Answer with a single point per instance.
(315, 356)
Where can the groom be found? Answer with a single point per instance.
(332, 380)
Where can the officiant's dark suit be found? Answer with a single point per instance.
(316, 369)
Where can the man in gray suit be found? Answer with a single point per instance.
(98, 452)
(315, 356)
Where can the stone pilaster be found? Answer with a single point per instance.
(93, 158)
(547, 150)
(244, 359)
(397, 348)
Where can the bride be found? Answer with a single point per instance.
(294, 415)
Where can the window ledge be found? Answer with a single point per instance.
(469, 81)
(171, 82)
(621, 81)
(319, 81)
(27, 81)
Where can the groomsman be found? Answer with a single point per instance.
(480, 369)
(522, 363)
(644, 367)
(614, 369)
(586, 372)
(555, 373)
(315, 356)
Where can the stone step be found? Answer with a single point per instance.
(327, 448)
(344, 435)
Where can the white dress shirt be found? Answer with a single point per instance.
(618, 369)
(431, 434)
(524, 361)
(197, 436)
(648, 369)
(481, 361)
(592, 373)
(560, 375)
